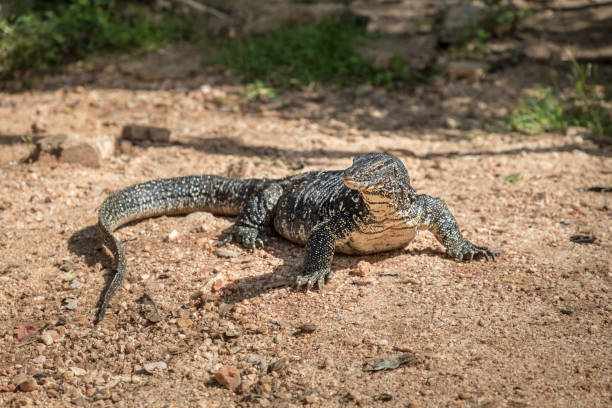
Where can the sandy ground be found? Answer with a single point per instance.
(529, 330)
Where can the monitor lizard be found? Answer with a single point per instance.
(368, 208)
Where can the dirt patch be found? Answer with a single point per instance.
(530, 330)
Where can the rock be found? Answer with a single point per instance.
(79, 402)
(307, 328)
(217, 285)
(185, 323)
(466, 69)
(46, 339)
(254, 358)
(78, 371)
(173, 236)
(459, 20)
(271, 17)
(157, 365)
(70, 303)
(139, 134)
(25, 383)
(82, 153)
(451, 123)
(417, 51)
(228, 376)
(226, 253)
(363, 269)
(67, 148)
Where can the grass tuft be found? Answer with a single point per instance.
(38, 39)
(550, 110)
(308, 55)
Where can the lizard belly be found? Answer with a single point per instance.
(368, 242)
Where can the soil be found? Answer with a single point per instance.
(531, 329)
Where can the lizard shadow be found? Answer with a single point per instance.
(86, 244)
(283, 275)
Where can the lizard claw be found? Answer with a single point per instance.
(249, 237)
(308, 279)
(468, 251)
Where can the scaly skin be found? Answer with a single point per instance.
(370, 207)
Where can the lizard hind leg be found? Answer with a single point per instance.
(256, 216)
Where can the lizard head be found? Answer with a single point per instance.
(379, 175)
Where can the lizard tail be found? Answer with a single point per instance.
(180, 195)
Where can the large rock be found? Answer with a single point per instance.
(67, 148)
(275, 16)
(459, 20)
(417, 51)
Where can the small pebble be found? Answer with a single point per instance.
(79, 402)
(46, 339)
(25, 383)
(308, 328)
(254, 358)
(151, 367)
(228, 376)
(70, 303)
(363, 269)
(226, 253)
(173, 236)
(78, 371)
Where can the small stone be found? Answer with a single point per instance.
(157, 365)
(185, 323)
(278, 365)
(254, 358)
(217, 285)
(593, 329)
(310, 397)
(228, 376)
(82, 153)
(25, 383)
(46, 339)
(78, 371)
(137, 133)
(75, 284)
(226, 253)
(39, 360)
(79, 402)
(464, 396)
(70, 303)
(363, 269)
(173, 236)
(308, 328)
(354, 342)
(465, 69)
(231, 334)
(451, 123)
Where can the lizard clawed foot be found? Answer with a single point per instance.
(308, 278)
(250, 237)
(468, 251)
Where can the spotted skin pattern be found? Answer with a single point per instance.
(368, 208)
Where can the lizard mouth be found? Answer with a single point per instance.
(351, 183)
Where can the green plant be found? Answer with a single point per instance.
(257, 90)
(552, 110)
(538, 113)
(307, 55)
(45, 38)
(512, 178)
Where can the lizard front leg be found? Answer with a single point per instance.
(249, 228)
(432, 214)
(320, 250)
